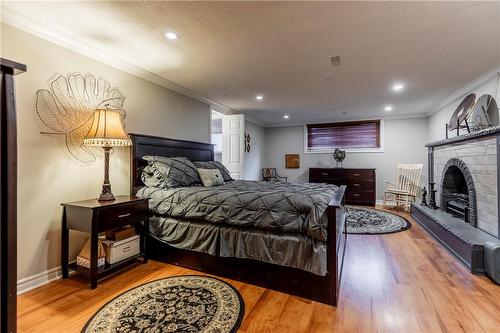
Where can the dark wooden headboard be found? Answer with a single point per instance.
(143, 145)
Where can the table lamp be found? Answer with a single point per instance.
(107, 132)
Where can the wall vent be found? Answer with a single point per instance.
(335, 61)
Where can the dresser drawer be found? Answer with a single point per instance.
(360, 196)
(359, 184)
(332, 181)
(117, 216)
(359, 174)
(318, 173)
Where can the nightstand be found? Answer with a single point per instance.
(96, 217)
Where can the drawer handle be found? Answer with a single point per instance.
(355, 185)
(356, 195)
(126, 249)
(324, 173)
(124, 215)
(355, 174)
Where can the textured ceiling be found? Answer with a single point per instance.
(231, 51)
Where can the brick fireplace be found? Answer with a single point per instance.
(477, 158)
(466, 173)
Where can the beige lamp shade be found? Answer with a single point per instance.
(107, 130)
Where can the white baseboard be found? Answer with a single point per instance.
(38, 280)
(379, 202)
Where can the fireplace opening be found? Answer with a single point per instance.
(458, 196)
(455, 193)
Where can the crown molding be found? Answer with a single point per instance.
(221, 110)
(466, 89)
(253, 121)
(361, 118)
(22, 22)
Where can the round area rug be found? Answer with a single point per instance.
(372, 221)
(176, 304)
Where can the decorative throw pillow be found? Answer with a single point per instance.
(215, 165)
(211, 177)
(150, 178)
(169, 172)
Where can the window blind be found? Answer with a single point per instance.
(344, 135)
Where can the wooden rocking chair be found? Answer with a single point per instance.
(407, 186)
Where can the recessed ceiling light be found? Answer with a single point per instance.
(259, 97)
(398, 86)
(171, 35)
(286, 116)
(388, 108)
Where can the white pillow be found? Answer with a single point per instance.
(210, 177)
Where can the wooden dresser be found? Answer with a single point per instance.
(361, 183)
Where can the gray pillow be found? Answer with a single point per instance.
(169, 172)
(151, 177)
(215, 165)
(210, 177)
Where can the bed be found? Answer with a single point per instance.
(219, 243)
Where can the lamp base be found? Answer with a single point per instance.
(106, 197)
(106, 194)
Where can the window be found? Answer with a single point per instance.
(355, 136)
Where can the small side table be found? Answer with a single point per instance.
(94, 217)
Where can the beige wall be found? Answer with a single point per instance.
(48, 175)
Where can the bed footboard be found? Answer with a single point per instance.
(337, 239)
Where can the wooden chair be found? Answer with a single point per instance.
(270, 174)
(407, 186)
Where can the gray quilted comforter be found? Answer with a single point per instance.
(286, 207)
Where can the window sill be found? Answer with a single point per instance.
(347, 150)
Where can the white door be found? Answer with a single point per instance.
(233, 139)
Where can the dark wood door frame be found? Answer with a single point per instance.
(8, 195)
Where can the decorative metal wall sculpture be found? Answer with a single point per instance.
(247, 143)
(67, 109)
(458, 119)
(484, 114)
(475, 115)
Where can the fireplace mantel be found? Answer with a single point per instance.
(492, 131)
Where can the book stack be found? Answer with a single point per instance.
(120, 234)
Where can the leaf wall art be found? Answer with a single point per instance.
(66, 109)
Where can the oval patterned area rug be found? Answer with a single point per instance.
(177, 304)
(362, 220)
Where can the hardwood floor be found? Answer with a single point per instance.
(403, 282)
